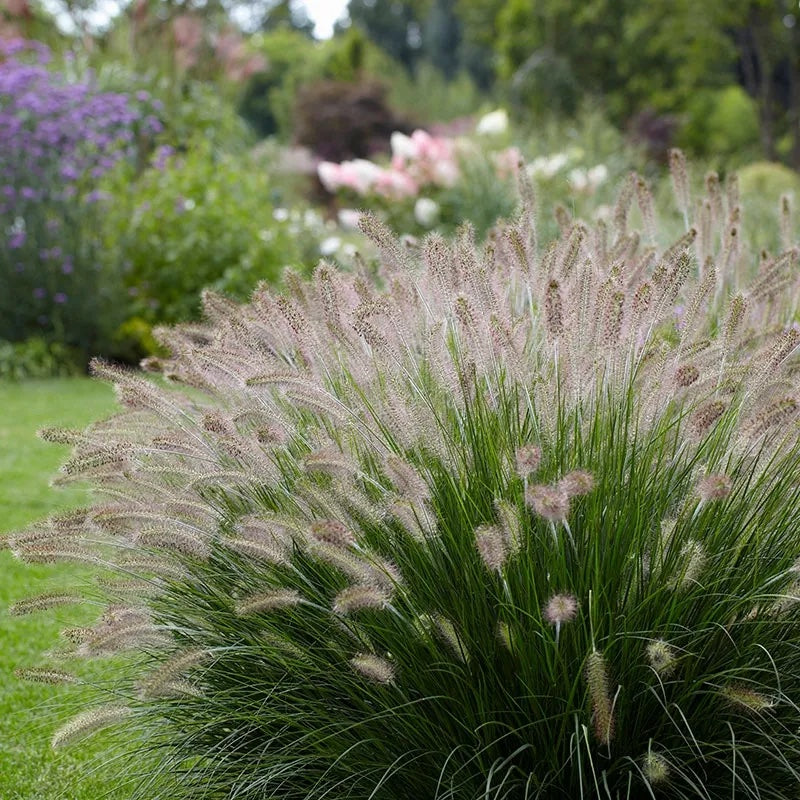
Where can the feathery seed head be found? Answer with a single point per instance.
(714, 487)
(167, 679)
(746, 699)
(661, 656)
(355, 598)
(87, 723)
(42, 602)
(686, 375)
(332, 532)
(549, 502)
(41, 675)
(703, 417)
(528, 457)
(680, 178)
(554, 309)
(268, 601)
(374, 668)
(576, 483)
(492, 546)
(77, 635)
(655, 768)
(600, 697)
(694, 561)
(777, 413)
(511, 524)
(642, 298)
(61, 436)
(560, 608)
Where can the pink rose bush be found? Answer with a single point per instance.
(426, 174)
(418, 161)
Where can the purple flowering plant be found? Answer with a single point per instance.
(57, 139)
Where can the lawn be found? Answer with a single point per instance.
(30, 712)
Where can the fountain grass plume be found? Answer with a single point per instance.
(501, 523)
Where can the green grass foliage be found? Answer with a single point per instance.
(518, 522)
(27, 714)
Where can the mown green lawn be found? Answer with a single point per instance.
(29, 712)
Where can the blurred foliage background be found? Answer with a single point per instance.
(256, 143)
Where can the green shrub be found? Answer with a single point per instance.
(722, 123)
(38, 358)
(520, 524)
(190, 221)
(428, 96)
(762, 185)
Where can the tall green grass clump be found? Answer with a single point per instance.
(517, 522)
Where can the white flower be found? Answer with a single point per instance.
(578, 180)
(280, 215)
(547, 166)
(311, 218)
(329, 175)
(445, 173)
(556, 163)
(330, 246)
(348, 218)
(597, 175)
(403, 146)
(365, 172)
(426, 212)
(494, 123)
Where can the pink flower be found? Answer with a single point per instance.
(396, 184)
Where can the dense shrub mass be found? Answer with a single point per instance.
(56, 139)
(519, 521)
(191, 220)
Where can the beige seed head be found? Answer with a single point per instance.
(703, 417)
(560, 608)
(748, 700)
(686, 375)
(268, 601)
(600, 696)
(42, 603)
(655, 768)
(661, 656)
(374, 668)
(554, 309)
(332, 532)
(355, 598)
(87, 723)
(714, 487)
(576, 483)
(549, 502)
(694, 560)
(528, 457)
(41, 675)
(492, 546)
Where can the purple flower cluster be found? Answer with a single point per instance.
(57, 139)
(54, 134)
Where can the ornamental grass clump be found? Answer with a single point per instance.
(470, 532)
